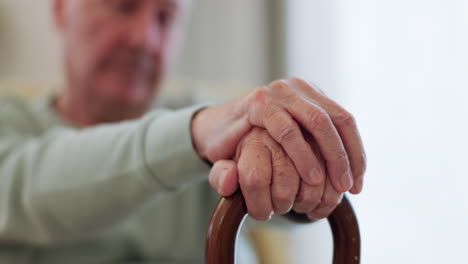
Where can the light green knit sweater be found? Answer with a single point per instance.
(131, 192)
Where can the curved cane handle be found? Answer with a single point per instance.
(231, 211)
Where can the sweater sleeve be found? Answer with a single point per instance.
(66, 183)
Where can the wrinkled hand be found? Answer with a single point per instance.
(269, 181)
(283, 108)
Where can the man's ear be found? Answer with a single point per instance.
(58, 11)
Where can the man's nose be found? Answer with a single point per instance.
(145, 33)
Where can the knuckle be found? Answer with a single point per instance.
(272, 114)
(329, 203)
(344, 118)
(307, 84)
(296, 79)
(312, 198)
(283, 196)
(341, 161)
(279, 87)
(258, 95)
(305, 207)
(299, 81)
(319, 119)
(281, 90)
(342, 156)
(255, 180)
(289, 132)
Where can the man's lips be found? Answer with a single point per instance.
(134, 64)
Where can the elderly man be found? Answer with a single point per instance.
(94, 175)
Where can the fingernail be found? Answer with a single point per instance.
(269, 217)
(266, 219)
(346, 181)
(315, 177)
(341, 198)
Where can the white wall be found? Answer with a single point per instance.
(400, 66)
(311, 42)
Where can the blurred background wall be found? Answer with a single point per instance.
(29, 47)
(399, 66)
(226, 42)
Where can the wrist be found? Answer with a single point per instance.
(217, 130)
(196, 132)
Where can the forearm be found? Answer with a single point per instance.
(70, 183)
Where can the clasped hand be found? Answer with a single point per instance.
(286, 145)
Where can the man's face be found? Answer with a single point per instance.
(116, 50)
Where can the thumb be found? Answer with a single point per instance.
(223, 177)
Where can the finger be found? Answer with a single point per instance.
(317, 122)
(285, 181)
(348, 131)
(346, 127)
(285, 130)
(223, 177)
(330, 199)
(254, 168)
(308, 198)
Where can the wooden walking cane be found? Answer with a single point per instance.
(231, 211)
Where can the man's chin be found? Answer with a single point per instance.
(126, 105)
(124, 94)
